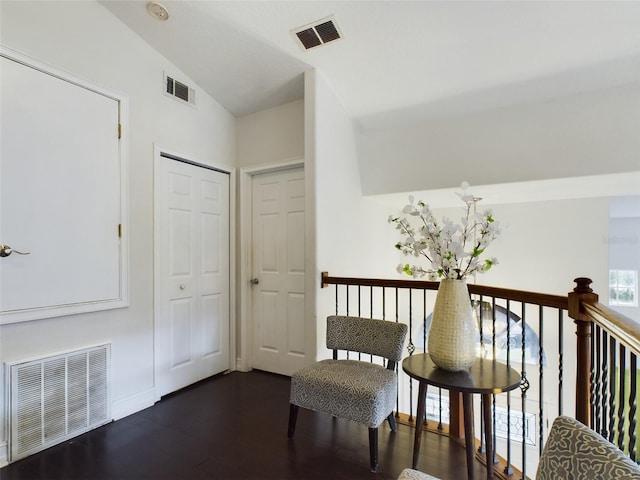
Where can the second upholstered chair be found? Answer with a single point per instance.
(360, 391)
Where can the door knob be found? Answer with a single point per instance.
(6, 250)
(254, 281)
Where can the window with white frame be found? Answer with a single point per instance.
(623, 288)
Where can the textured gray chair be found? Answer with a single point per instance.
(572, 452)
(410, 474)
(575, 452)
(360, 391)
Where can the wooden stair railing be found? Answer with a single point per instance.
(589, 316)
(617, 341)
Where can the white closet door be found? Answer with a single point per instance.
(192, 317)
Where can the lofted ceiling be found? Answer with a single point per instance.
(398, 61)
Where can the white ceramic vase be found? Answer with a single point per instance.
(453, 333)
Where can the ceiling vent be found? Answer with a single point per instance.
(179, 90)
(317, 33)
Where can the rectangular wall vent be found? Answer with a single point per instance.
(179, 90)
(56, 398)
(317, 33)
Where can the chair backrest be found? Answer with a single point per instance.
(366, 335)
(574, 451)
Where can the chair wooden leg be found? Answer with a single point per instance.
(293, 418)
(392, 422)
(373, 449)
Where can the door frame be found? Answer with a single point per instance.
(158, 150)
(244, 362)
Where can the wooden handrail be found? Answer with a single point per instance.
(377, 282)
(622, 328)
(543, 299)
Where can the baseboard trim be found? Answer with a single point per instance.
(4, 454)
(240, 365)
(119, 409)
(134, 403)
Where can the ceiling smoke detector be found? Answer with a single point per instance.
(157, 11)
(317, 33)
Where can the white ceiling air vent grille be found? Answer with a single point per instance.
(179, 90)
(317, 33)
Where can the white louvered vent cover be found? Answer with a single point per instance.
(179, 90)
(56, 398)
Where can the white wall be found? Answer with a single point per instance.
(86, 40)
(590, 133)
(271, 136)
(543, 247)
(347, 224)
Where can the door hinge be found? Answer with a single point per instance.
(120, 230)
(119, 131)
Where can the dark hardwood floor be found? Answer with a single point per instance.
(235, 427)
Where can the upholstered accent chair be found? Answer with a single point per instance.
(361, 391)
(572, 452)
(410, 474)
(575, 452)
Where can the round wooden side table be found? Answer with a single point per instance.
(485, 377)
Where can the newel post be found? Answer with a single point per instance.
(582, 293)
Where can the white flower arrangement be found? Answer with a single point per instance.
(452, 250)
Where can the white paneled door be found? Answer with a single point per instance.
(278, 267)
(192, 258)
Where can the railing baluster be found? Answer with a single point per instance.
(507, 468)
(477, 304)
(621, 395)
(424, 319)
(597, 381)
(411, 346)
(384, 303)
(481, 321)
(604, 430)
(560, 359)
(592, 373)
(347, 299)
(633, 399)
(523, 391)
(360, 314)
(397, 316)
(481, 448)
(541, 379)
(493, 397)
(612, 388)
(348, 311)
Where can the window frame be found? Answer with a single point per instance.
(617, 287)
